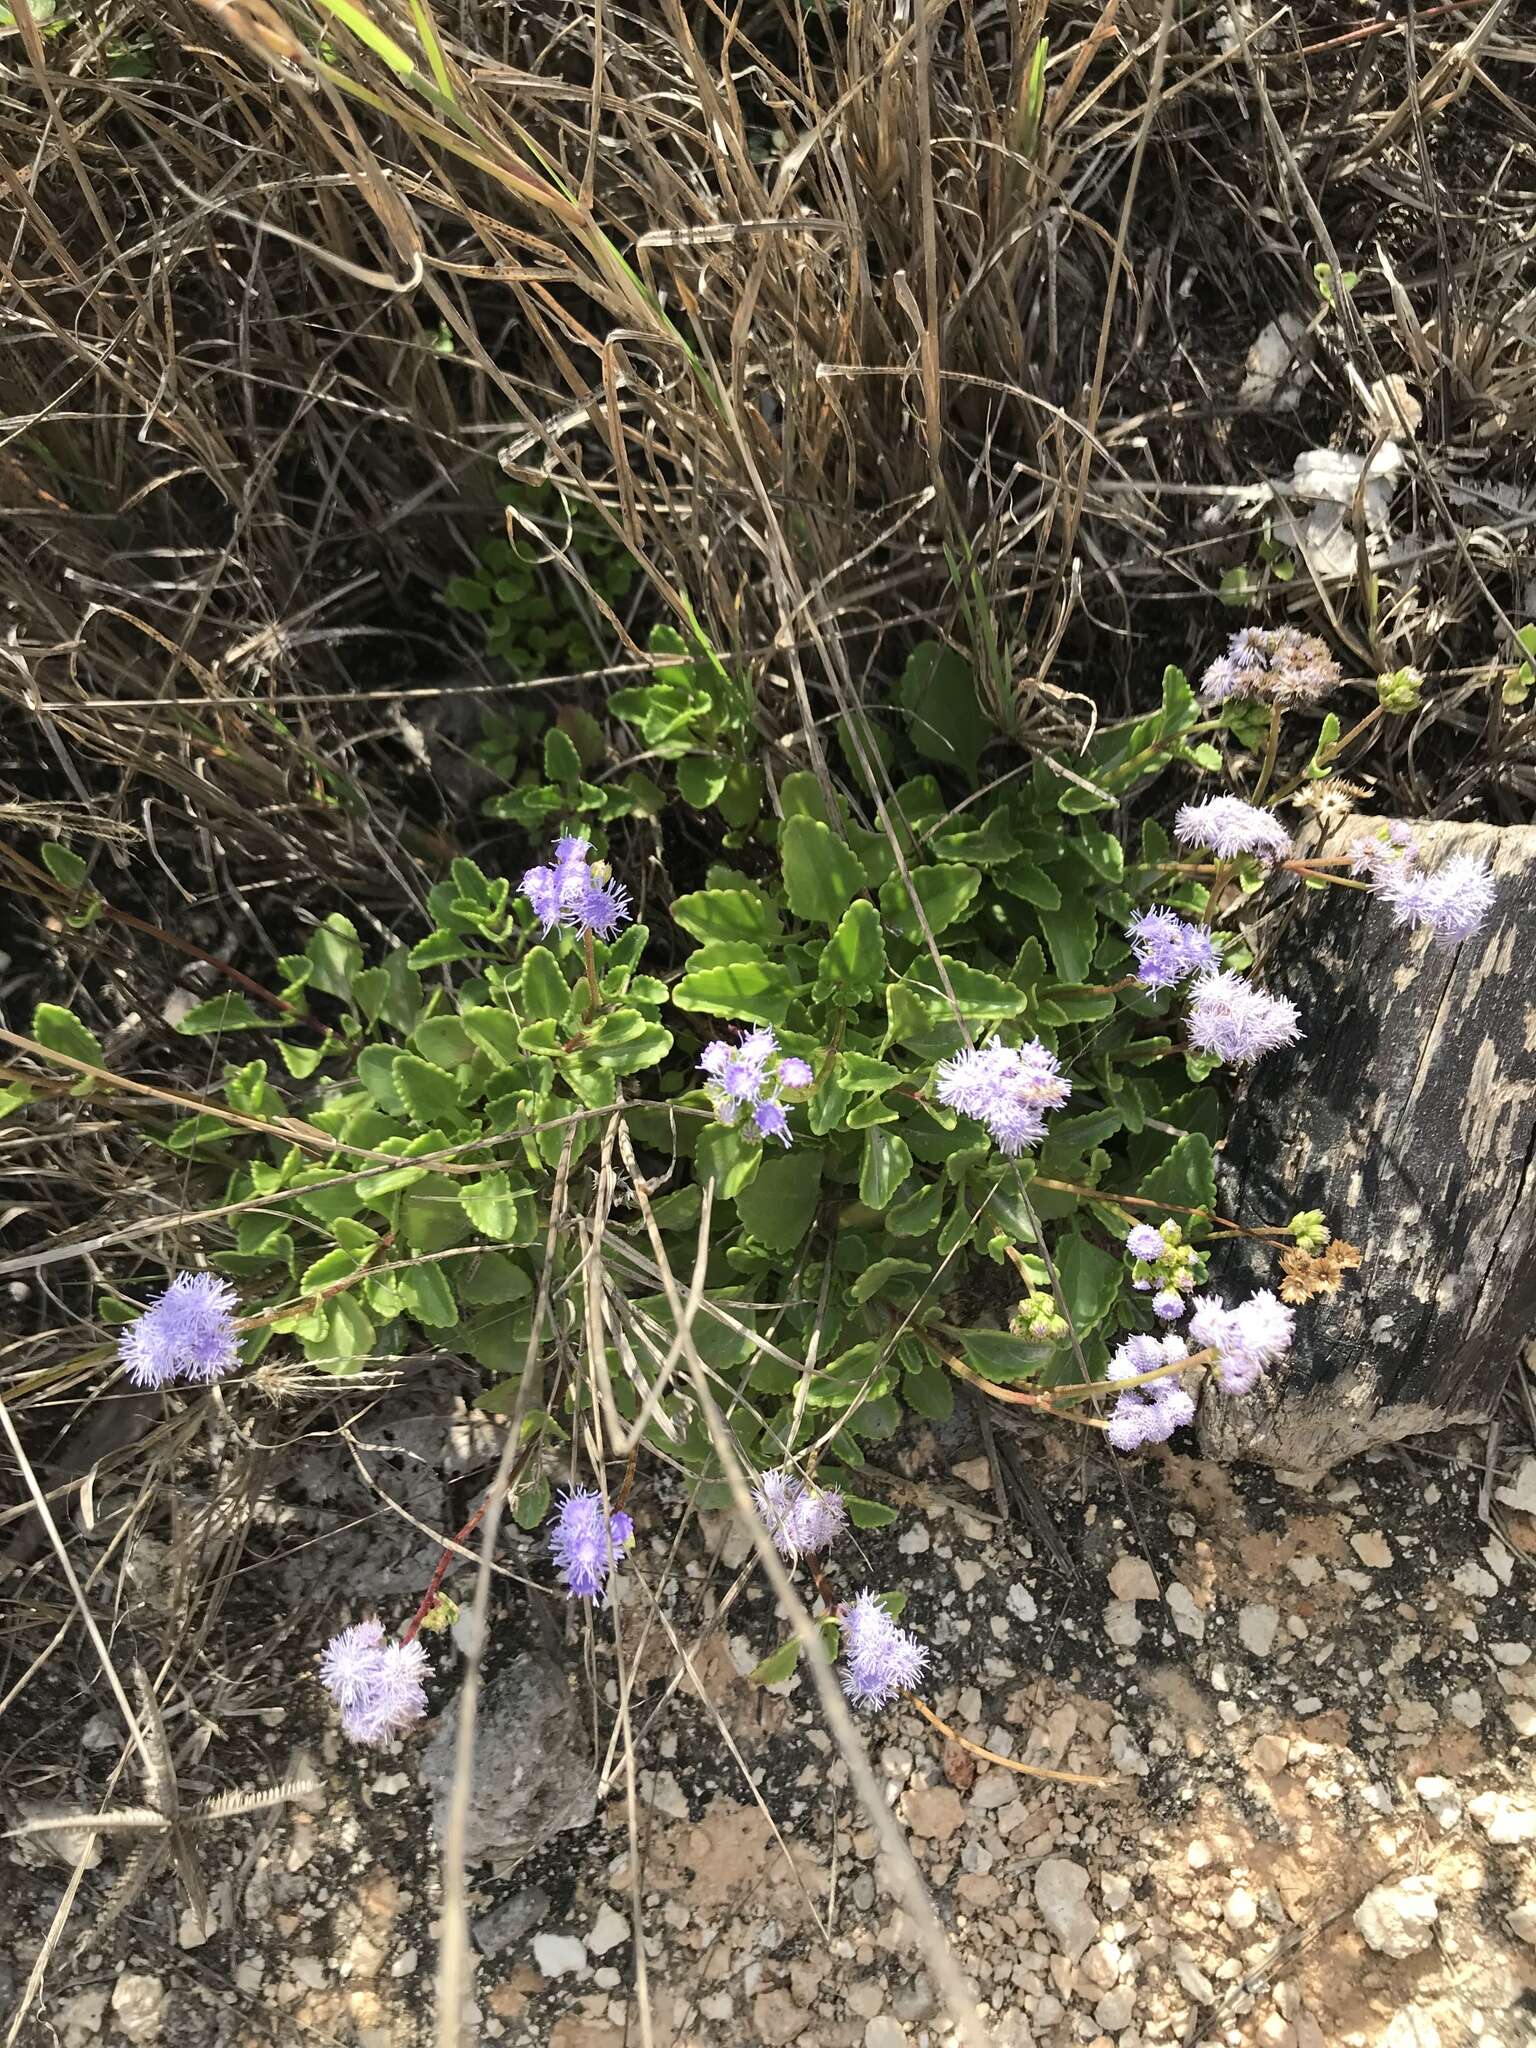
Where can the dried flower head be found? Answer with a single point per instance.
(1168, 948)
(802, 1520)
(186, 1333)
(1245, 1339)
(587, 1542)
(1275, 664)
(1006, 1088)
(379, 1685)
(580, 896)
(1228, 1016)
(882, 1659)
(1309, 1274)
(1226, 826)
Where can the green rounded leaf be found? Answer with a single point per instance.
(821, 874)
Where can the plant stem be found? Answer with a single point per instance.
(453, 1548)
(991, 1756)
(1271, 748)
(595, 994)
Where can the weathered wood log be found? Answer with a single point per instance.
(1408, 1116)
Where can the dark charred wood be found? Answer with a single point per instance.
(1408, 1116)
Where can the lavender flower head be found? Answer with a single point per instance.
(1227, 827)
(883, 1660)
(738, 1078)
(586, 1543)
(1143, 1242)
(1228, 1016)
(1277, 665)
(1006, 1088)
(801, 1519)
(1245, 1339)
(1169, 948)
(1149, 1414)
(378, 1685)
(1451, 903)
(580, 896)
(186, 1333)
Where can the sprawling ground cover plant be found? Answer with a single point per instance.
(914, 1078)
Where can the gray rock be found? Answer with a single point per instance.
(505, 1925)
(1059, 1887)
(1398, 1919)
(533, 1774)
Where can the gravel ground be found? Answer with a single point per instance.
(1317, 1705)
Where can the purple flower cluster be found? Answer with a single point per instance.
(1451, 902)
(883, 1660)
(1228, 1016)
(1226, 826)
(581, 896)
(1169, 948)
(1150, 1414)
(739, 1079)
(587, 1542)
(1277, 665)
(1007, 1088)
(186, 1333)
(378, 1686)
(1245, 1339)
(1163, 1262)
(802, 1520)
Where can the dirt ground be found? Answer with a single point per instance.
(1317, 1705)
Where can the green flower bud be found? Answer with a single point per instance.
(1309, 1229)
(1402, 690)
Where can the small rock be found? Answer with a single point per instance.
(885, 2033)
(608, 1930)
(533, 1775)
(1467, 1708)
(80, 2018)
(1191, 1976)
(976, 1473)
(1522, 1493)
(1059, 1887)
(1306, 1570)
(1187, 1617)
(1115, 2009)
(1504, 1820)
(1511, 1655)
(866, 1998)
(914, 1541)
(1372, 1549)
(1125, 1753)
(506, 1925)
(1269, 1754)
(559, 1955)
(1121, 1625)
(1522, 1924)
(1257, 1625)
(1240, 1911)
(780, 2018)
(1132, 1578)
(1021, 1603)
(1398, 1919)
(192, 1932)
(1116, 1891)
(1442, 1799)
(1101, 1965)
(138, 2006)
(934, 1811)
(913, 1999)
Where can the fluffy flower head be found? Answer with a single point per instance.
(1006, 1088)
(586, 1542)
(1238, 1022)
(750, 1076)
(1277, 665)
(379, 1686)
(1169, 948)
(186, 1333)
(1143, 1242)
(882, 1659)
(1245, 1339)
(1228, 827)
(1451, 903)
(802, 1520)
(571, 892)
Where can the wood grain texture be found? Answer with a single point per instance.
(1408, 1116)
